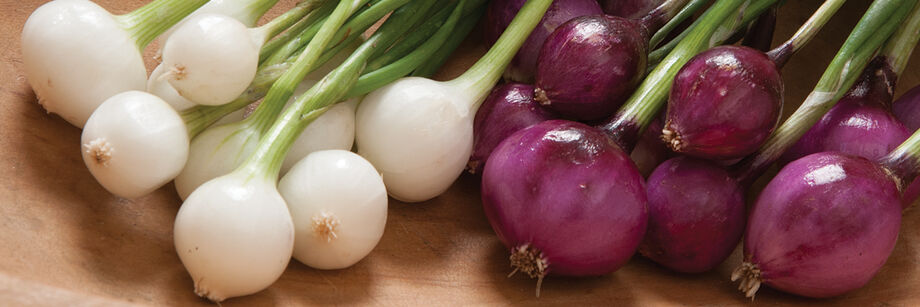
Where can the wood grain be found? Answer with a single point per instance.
(67, 241)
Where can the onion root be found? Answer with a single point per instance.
(529, 260)
(749, 274)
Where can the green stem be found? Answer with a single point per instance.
(283, 88)
(684, 13)
(269, 154)
(747, 15)
(876, 25)
(659, 16)
(904, 161)
(253, 9)
(479, 79)
(151, 20)
(461, 31)
(715, 25)
(286, 20)
(901, 44)
(380, 77)
(781, 54)
(282, 47)
(412, 40)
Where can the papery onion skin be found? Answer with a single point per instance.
(567, 191)
(499, 15)
(590, 65)
(824, 225)
(509, 108)
(696, 215)
(724, 103)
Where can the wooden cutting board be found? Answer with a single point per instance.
(65, 240)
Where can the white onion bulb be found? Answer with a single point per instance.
(418, 133)
(134, 143)
(161, 88)
(339, 206)
(234, 235)
(76, 55)
(211, 59)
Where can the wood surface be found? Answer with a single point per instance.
(65, 241)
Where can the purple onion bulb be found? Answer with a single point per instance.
(822, 227)
(509, 108)
(590, 65)
(724, 104)
(696, 215)
(565, 200)
(500, 13)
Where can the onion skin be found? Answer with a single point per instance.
(632, 9)
(500, 13)
(824, 225)
(590, 65)
(590, 198)
(696, 215)
(508, 108)
(724, 103)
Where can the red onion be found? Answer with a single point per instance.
(696, 215)
(499, 15)
(590, 65)
(724, 103)
(565, 200)
(822, 227)
(509, 108)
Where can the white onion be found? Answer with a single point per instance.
(418, 133)
(339, 206)
(211, 59)
(76, 55)
(216, 152)
(134, 143)
(234, 235)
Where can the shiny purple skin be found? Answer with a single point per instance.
(696, 215)
(650, 151)
(568, 191)
(500, 13)
(824, 225)
(854, 128)
(632, 9)
(724, 103)
(590, 65)
(509, 108)
(907, 108)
